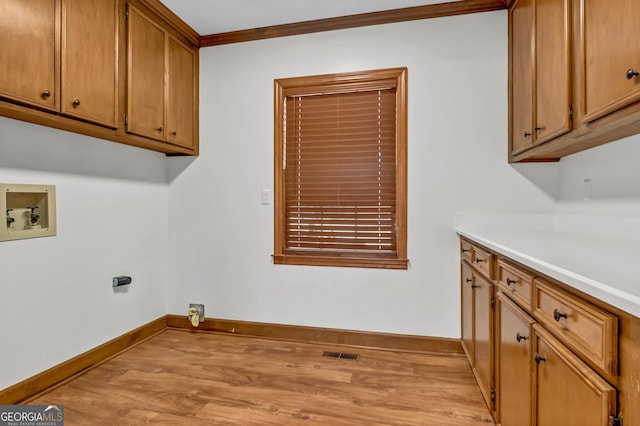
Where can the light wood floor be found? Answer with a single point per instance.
(185, 378)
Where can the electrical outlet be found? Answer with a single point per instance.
(200, 308)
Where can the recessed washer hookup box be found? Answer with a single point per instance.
(30, 211)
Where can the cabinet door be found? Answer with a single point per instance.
(568, 392)
(145, 76)
(29, 57)
(609, 48)
(483, 337)
(181, 94)
(90, 60)
(521, 110)
(553, 69)
(466, 306)
(513, 360)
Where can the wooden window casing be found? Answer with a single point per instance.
(341, 170)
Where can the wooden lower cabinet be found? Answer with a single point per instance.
(544, 354)
(513, 363)
(466, 290)
(483, 337)
(567, 391)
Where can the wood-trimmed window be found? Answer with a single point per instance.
(341, 170)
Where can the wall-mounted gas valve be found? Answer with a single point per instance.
(196, 314)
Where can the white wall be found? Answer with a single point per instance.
(112, 205)
(221, 237)
(614, 170)
(188, 241)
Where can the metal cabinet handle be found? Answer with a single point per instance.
(537, 129)
(510, 281)
(520, 337)
(631, 73)
(539, 358)
(557, 315)
(475, 286)
(468, 280)
(159, 129)
(46, 94)
(76, 102)
(527, 134)
(466, 250)
(480, 260)
(174, 133)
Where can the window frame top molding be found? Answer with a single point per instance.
(341, 83)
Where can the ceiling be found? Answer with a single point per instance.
(220, 16)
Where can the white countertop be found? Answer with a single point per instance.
(596, 255)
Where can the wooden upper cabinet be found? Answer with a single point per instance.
(181, 102)
(90, 60)
(552, 69)
(610, 56)
(87, 66)
(585, 75)
(162, 83)
(146, 76)
(521, 72)
(29, 57)
(567, 391)
(540, 72)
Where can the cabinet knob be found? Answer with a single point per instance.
(174, 133)
(537, 129)
(480, 260)
(76, 102)
(466, 250)
(159, 129)
(557, 315)
(46, 94)
(510, 281)
(539, 358)
(527, 134)
(631, 73)
(520, 337)
(468, 280)
(475, 286)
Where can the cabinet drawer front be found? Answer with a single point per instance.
(483, 262)
(587, 329)
(516, 282)
(466, 251)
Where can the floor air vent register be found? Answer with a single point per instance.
(340, 355)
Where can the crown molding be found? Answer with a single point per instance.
(353, 21)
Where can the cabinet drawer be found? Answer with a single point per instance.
(466, 251)
(516, 282)
(483, 261)
(585, 328)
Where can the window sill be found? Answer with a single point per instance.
(353, 262)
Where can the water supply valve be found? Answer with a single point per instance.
(10, 219)
(34, 216)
